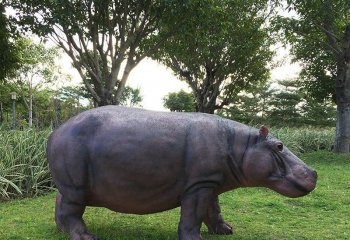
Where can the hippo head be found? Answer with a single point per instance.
(270, 164)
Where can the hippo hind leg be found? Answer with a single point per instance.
(214, 220)
(68, 217)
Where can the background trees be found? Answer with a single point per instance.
(8, 56)
(280, 104)
(320, 38)
(221, 48)
(105, 39)
(37, 67)
(179, 102)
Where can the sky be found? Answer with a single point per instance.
(156, 80)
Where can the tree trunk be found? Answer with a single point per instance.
(30, 109)
(106, 98)
(342, 140)
(203, 108)
(1, 114)
(30, 104)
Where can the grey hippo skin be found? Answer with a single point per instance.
(137, 161)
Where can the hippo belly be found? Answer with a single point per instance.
(136, 173)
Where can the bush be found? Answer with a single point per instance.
(23, 166)
(306, 139)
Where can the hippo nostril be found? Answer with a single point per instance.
(315, 174)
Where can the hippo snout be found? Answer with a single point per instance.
(311, 180)
(303, 179)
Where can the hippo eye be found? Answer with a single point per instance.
(280, 147)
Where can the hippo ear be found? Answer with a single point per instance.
(263, 132)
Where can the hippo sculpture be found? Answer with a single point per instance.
(137, 161)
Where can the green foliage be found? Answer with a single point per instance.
(5, 95)
(250, 107)
(316, 36)
(36, 70)
(220, 48)
(131, 97)
(8, 57)
(254, 213)
(320, 38)
(179, 102)
(48, 109)
(104, 39)
(283, 104)
(31, 81)
(37, 62)
(23, 166)
(316, 113)
(305, 139)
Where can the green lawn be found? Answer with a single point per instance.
(254, 213)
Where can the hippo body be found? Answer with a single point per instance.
(137, 161)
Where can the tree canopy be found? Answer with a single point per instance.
(37, 67)
(320, 38)
(8, 57)
(280, 104)
(220, 50)
(179, 102)
(105, 39)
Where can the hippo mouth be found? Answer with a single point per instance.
(284, 183)
(286, 177)
(299, 187)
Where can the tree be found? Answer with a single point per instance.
(5, 98)
(105, 39)
(220, 50)
(316, 113)
(37, 66)
(285, 104)
(41, 109)
(8, 56)
(320, 38)
(179, 102)
(282, 103)
(251, 106)
(131, 97)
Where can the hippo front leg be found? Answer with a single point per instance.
(194, 206)
(214, 220)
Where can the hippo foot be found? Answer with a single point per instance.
(191, 237)
(221, 228)
(83, 236)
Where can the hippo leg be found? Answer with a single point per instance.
(193, 211)
(68, 217)
(214, 220)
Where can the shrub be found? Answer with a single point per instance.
(23, 166)
(306, 139)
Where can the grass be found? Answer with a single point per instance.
(23, 166)
(306, 139)
(254, 213)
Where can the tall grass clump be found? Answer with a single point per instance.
(23, 166)
(306, 139)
